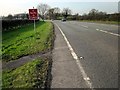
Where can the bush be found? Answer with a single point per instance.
(12, 24)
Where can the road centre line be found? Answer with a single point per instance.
(108, 32)
(84, 26)
(85, 76)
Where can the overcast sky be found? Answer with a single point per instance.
(77, 6)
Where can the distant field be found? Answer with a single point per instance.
(104, 22)
(24, 40)
(30, 75)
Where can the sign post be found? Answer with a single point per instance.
(34, 24)
(33, 15)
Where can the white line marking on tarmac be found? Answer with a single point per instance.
(97, 29)
(84, 26)
(108, 32)
(85, 76)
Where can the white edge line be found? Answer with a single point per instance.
(85, 77)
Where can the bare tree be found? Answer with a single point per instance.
(66, 12)
(56, 12)
(93, 14)
(10, 17)
(51, 13)
(43, 9)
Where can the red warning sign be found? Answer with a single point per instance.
(33, 14)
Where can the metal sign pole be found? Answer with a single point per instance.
(34, 24)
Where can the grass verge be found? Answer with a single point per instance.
(30, 75)
(24, 40)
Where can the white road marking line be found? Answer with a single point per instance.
(97, 29)
(84, 26)
(85, 76)
(108, 32)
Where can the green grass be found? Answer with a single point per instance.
(24, 40)
(104, 22)
(30, 75)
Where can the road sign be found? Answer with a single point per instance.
(33, 14)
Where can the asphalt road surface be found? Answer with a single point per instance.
(96, 48)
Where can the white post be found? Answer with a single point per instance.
(34, 24)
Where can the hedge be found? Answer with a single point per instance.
(12, 24)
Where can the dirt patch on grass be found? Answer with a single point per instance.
(21, 61)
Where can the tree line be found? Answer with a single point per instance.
(101, 16)
(46, 12)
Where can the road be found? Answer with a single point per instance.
(96, 48)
